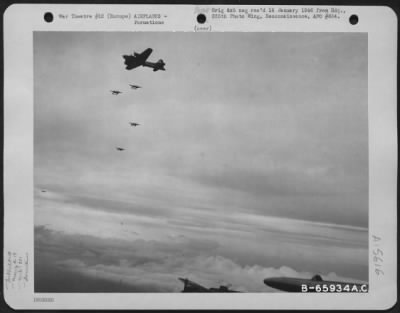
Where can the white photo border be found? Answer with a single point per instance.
(21, 20)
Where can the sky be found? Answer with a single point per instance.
(250, 160)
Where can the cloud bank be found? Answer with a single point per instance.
(144, 266)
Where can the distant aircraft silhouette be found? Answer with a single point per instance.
(191, 286)
(134, 124)
(120, 149)
(140, 59)
(134, 86)
(115, 92)
(44, 190)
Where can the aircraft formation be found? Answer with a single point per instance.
(133, 61)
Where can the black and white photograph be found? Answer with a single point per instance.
(200, 162)
(200, 157)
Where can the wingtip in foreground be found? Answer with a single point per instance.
(315, 284)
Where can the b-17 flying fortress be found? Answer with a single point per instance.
(140, 59)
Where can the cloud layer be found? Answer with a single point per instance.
(143, 266)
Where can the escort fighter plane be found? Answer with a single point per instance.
(115, 92)
(134, 124)
(140, 59)
(134, 86)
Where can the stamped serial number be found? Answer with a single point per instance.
(334, 288)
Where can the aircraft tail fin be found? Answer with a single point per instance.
(316, 278)
(160, 65)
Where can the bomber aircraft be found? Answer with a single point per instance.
(134, 86)
(115, 92)
(120, 149)
(140, 59)
(191, 286)
(315, 284)
(134, 124)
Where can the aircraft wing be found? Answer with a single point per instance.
(133, 61)
(311, 285)
(145, 54)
